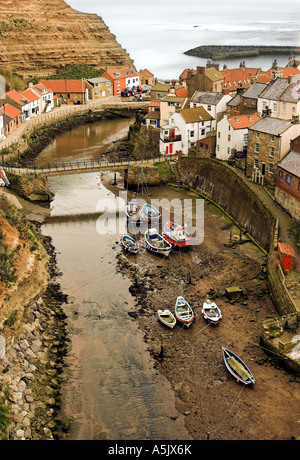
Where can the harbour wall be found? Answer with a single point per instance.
(227, 190)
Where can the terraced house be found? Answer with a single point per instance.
(287, 192)
(281, 98)
(268, 141)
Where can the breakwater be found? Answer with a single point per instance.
(226, 51)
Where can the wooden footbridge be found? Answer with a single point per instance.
(82, 166)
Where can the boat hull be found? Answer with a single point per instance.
(176, 235)
(163, 249)
(129, 244)
(183, 312)
(227, 355)
(167, 318)
(150, 213)
(211, 313)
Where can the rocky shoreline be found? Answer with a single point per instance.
(30, 370)
(215, 52)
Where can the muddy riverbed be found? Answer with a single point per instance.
(116, 384)
(214, 404)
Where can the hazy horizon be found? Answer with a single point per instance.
(156, 34)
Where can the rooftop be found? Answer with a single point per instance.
(291, 163)
(254, 91)
(275, 89)
(195, 115)
(273, 126)
(243, 121)
(206, 98)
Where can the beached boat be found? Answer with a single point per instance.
(176, 235)
(133, 211)
(237, 367)
(129, 244)
(211, 312)
(156, 243)
(167, 318)
(183, 312)
(150, 213)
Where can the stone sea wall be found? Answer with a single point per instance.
(225, 51)
(229, 191)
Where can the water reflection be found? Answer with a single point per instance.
(110, 390)
(84, 142)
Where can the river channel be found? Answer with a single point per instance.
(110, 388)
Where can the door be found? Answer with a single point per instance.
(171, 148)
(286, 265)
(263, 169)
(167, 150)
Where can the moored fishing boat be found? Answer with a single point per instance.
(211, 312)
(133, 212)
(237, 367)
(156, 243)
(184, 312)
(177, 235)
(167, 318)
(150, 213)
(129, 244)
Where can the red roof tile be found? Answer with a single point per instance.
(65, 86)
(181, 92)
(235, 78)
(17, 97)
(10, 111)
(243, 121)
(30, 95)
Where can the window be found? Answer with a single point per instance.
(257, 135)
(219, 134)
(271, 138)
(228, 151)
(275, 107)
(192, 133)
(209, 107)
(280, 174)
(96, 93)
(229, 137)
(202, 132)
(284, 107)
(289, 179)
(299, 186)
(255, 163)
(271, 152)
(256, 148)
(270, 168)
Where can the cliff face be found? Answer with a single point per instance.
(39, 36)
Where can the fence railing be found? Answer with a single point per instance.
(82, 165)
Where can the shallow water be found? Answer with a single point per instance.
(86, 142)
(110, 389)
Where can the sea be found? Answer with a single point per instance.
(157, 33)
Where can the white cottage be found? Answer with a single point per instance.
(185, 128)
(232, 134)
(213, 103)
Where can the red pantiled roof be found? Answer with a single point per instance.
(65, 86)
(10, 111)
(181, 92)
(154, 103)
(17, 97)
(147, 72)
(243, 121)
(235, 78)
(30, 95)
(121, 73)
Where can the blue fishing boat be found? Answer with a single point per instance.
(133, 212)
(129, 244)
(150, 213)
(237, 367)
(184, 312)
